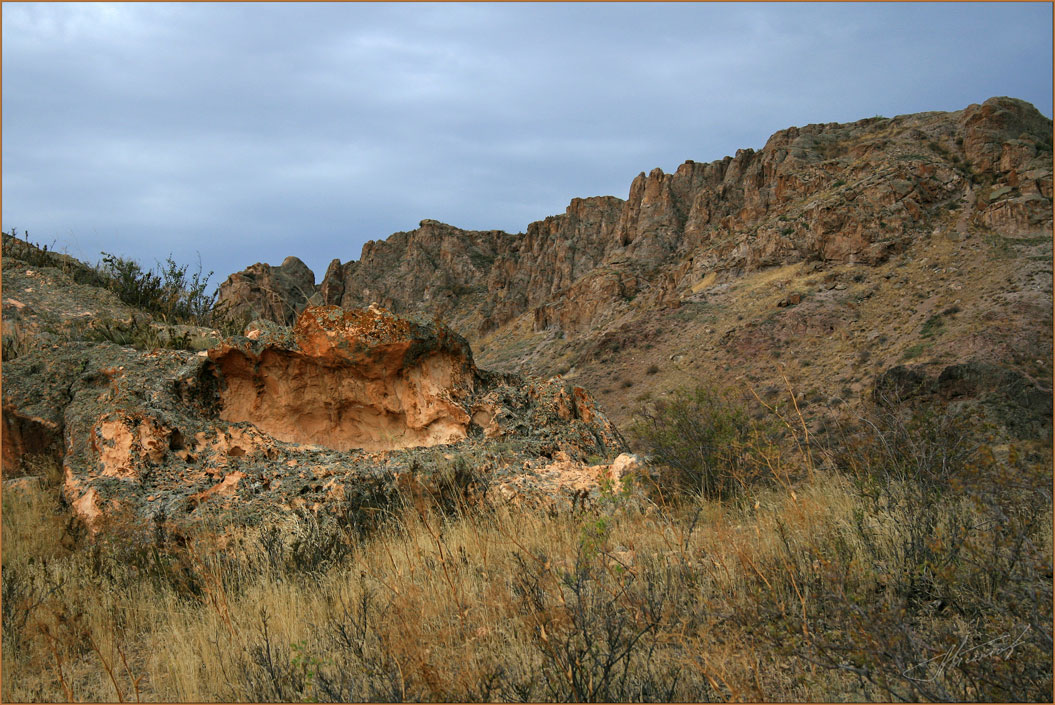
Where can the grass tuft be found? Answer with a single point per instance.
(906, 556)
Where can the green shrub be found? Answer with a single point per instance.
(706, 442)
(913, 351)
(932, 326)
(166, 290)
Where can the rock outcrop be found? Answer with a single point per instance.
(433, 271)
(302, 417)
(352, 379)
(273, 293)
(1008, 398)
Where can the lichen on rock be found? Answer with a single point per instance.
(293, 419)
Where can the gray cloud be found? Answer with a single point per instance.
(249, 132)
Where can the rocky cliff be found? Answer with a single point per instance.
(835, 244)
(838, 193)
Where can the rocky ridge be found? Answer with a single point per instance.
(839, 223)
(837, 193)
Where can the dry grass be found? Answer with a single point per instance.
(817, 591)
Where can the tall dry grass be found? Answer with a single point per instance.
(855, 580)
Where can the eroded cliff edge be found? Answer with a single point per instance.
(834, 193)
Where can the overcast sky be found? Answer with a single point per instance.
(249, 132)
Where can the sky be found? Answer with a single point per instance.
(229, 134)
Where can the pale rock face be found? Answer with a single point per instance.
(115, 440)
(565, 479)
(225, 488)
(357, 379)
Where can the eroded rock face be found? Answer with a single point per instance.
(352, 379)
(289, 419)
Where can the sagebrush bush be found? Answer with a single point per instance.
(914, 563)
(167, 290)
(706, 441)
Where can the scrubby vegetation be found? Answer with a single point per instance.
(166, 291)
(905, 556)
(707, 442)
(170, 293)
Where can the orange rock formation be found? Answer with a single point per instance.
(356, 379)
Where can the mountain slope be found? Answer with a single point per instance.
(871, 233)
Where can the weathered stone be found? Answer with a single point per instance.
(354, 379)
(262, 291)
(295, 418)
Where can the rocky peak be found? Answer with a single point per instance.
(1003, 134)
(834, 252)
(829, 192)
(263, 291)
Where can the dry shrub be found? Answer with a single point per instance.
(706, 442)
(912, 568)
(940, 586)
